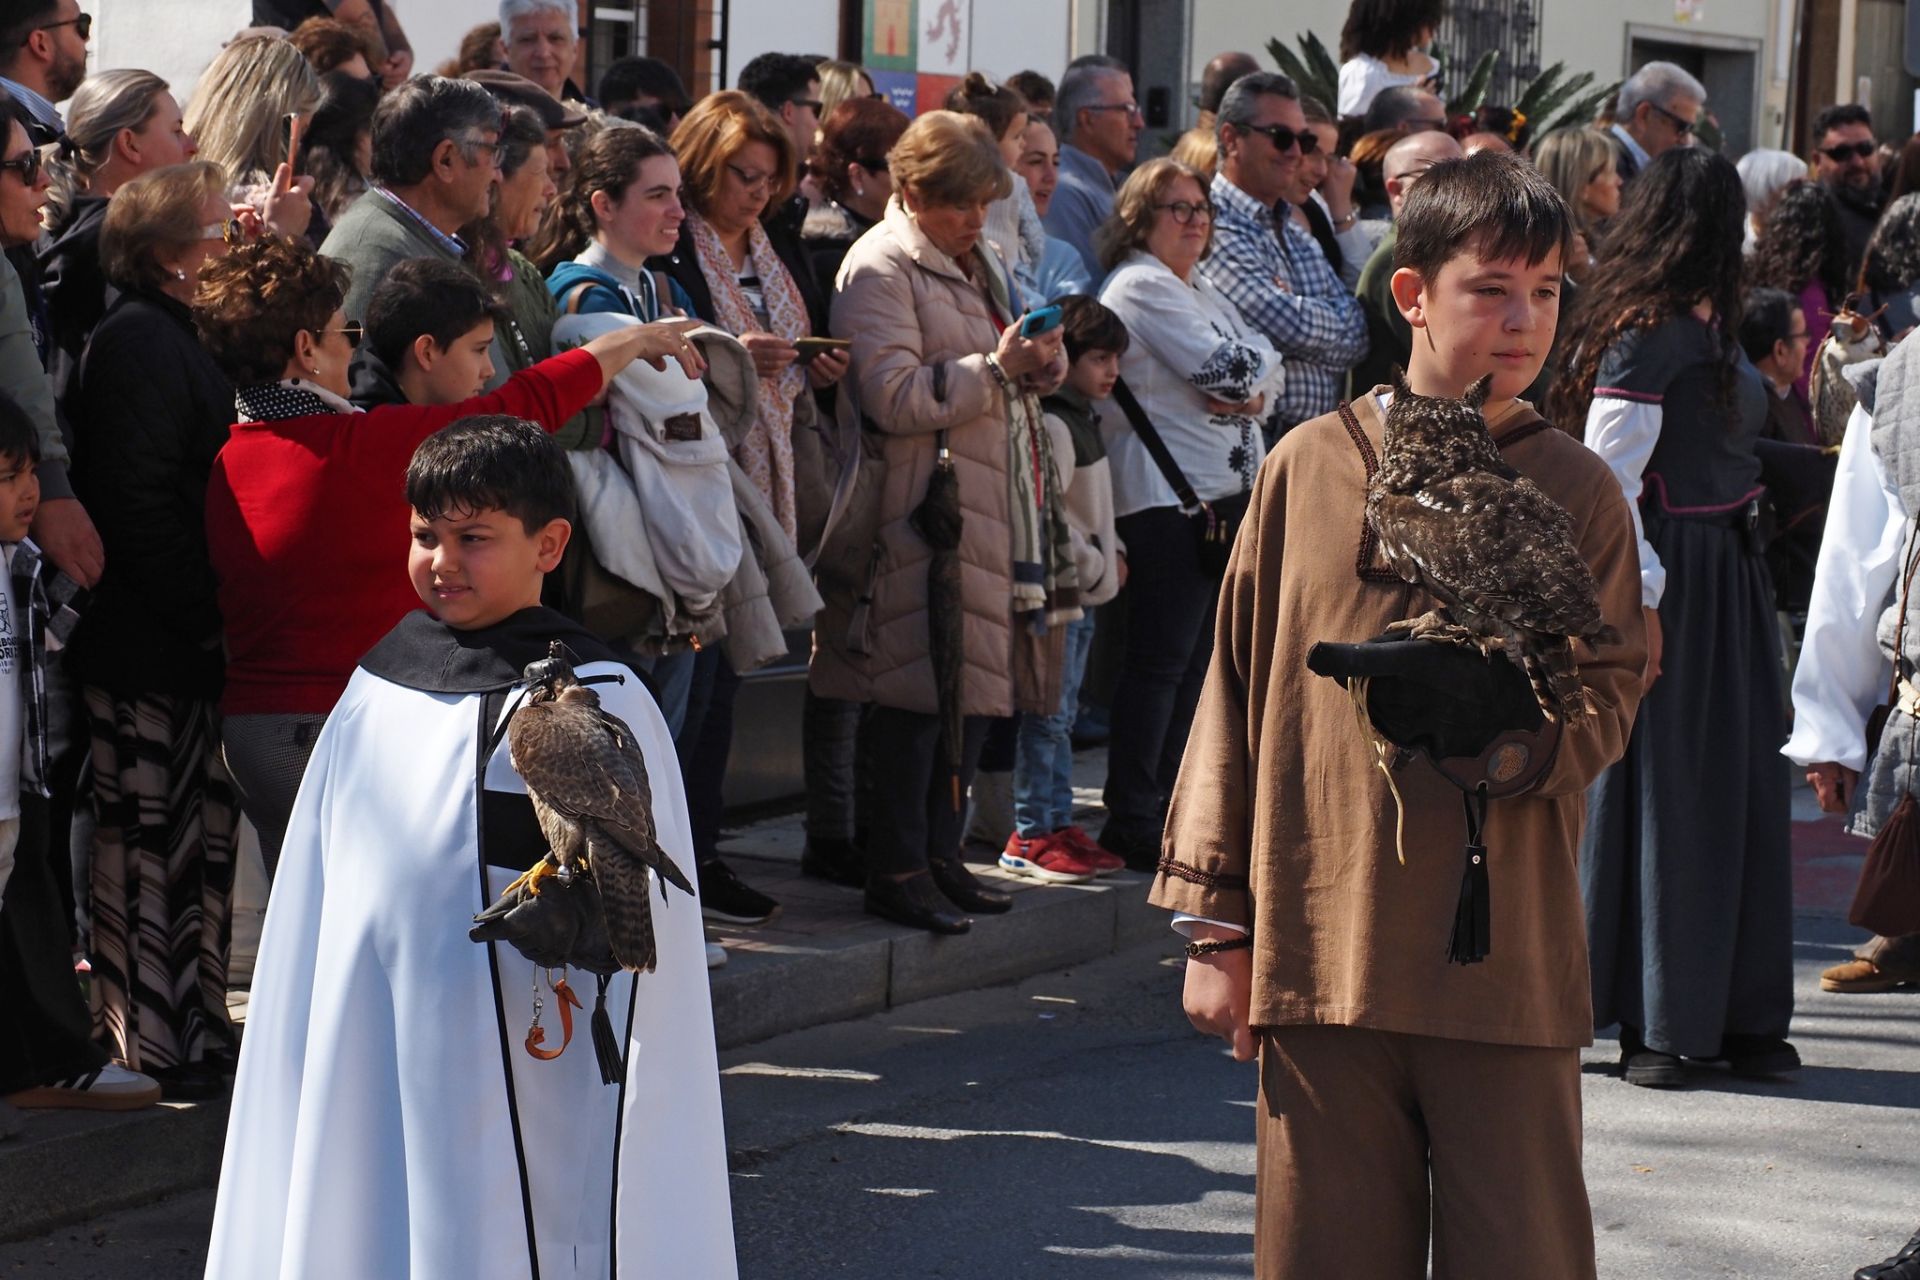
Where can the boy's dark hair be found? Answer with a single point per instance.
(1841, 113)
(19, 438)
(1085, 326)
(1035, 88)
(636, 75)
(492, 462)
(1491, 203)
(430, 296)
(776, 78)
(1766, 319)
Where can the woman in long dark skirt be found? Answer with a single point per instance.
(1685, 862)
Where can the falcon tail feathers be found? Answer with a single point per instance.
(1556, 683)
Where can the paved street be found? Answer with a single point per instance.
(1071, 1126)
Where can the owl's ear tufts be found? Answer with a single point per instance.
(1477, 393)
(1400, 387)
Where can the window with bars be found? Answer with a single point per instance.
(1471, 27)
(688, 35)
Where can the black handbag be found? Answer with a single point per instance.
(1216, 522)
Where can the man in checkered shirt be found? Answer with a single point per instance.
(1272, 269)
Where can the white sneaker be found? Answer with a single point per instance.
(716, 955)
(111, 1088)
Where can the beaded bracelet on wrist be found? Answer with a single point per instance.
(1214, 946)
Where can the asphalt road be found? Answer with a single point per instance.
(1073, 1127)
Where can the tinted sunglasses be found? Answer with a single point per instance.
(352, 330)
(1846, 151)
(27, 164)
(82, 26)
(1681, 125)
(1284, 139)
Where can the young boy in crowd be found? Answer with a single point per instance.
(48, 1057)
(1407, 1104)
(1045, 844)
(386, 1115)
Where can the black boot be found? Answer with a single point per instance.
(951, 877)
(1648, 1068)
(915, 902)
(1904, 1265)
(839, 862)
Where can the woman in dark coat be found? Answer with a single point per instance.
(1685, 863)
(153, 410)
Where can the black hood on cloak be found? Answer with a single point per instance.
(424, 653)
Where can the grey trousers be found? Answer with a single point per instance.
(267, 756)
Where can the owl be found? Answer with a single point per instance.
(1490, 546)
(588, 783)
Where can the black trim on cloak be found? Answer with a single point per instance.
(421, 652)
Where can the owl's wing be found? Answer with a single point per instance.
(1498, 547)
(591, 771)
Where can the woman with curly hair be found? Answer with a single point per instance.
(305, 505)
(1685, 863)
(1385, 44)
(1891, 271)
(1803, 249)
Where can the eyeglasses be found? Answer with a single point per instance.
(751, 181)
(82, 27)
(27, 164)
(1845, 151)
(1681, 125)
(475, 146)
(1283, 138)
(352, 330)
(1131, 108)
(1801, 336)
(1185, 211)
(230, 231)
(812, 104)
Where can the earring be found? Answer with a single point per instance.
(861, 192)
(316, 371)
(178, 274)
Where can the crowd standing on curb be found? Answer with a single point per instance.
(979, 400)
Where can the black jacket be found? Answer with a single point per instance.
(77, 290)
(153, 410)
(783, 233)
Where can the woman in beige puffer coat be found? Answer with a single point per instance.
(927, 306)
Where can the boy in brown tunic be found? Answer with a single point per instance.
(1403, 1099)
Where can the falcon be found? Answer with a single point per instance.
(588, 783)
(1497, 553)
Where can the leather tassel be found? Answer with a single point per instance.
(1472, 936)
(613, 1065)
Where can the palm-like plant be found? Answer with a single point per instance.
(1474, 92)
(1555, 99)
(1312, 69)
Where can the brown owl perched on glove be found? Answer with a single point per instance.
(1453, 517)
(588, 783)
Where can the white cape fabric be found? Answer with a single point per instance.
(385, 1109)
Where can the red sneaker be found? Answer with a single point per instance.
(1084, 847)
(1044, 858)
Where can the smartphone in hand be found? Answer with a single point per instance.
(1037, 323)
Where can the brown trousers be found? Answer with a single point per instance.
(1373, 1144)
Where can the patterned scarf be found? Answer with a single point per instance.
(287, 398)
(766, 455)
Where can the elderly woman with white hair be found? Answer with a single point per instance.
(543, 41)
(1766, 174)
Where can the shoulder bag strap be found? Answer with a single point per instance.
(1156, 447)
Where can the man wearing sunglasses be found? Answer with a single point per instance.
(1656, 111)
(1846, 161)
(43, 59)
(1270, 267)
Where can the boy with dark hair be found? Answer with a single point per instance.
(386, 1110)
(48, 1057)
(1045, 844)
(1445, 1098)
(424, 328)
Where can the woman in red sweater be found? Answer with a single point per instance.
(306, 514)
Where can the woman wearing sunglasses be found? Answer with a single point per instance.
(305, 514)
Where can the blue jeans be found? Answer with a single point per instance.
(1043, 762)
(673, 676)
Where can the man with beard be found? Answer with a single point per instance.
(43, 59)
(1845, 162)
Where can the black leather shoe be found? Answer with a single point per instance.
(1904, 1265)
(1141, 849)
(951, 877)
(914, 902)
(1758, 1056)
(1648, 1068)
(839, 862)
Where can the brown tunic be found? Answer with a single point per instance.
(1280, 820)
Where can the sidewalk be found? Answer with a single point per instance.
(822, 959)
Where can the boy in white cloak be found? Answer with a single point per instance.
(387, 1118)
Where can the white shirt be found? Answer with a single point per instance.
(1363, 76)
(1624, 432)
(12, 714)
(1842, 674)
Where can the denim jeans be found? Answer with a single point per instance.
(672, 677)
(1043, 764)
